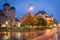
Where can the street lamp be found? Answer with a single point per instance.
(18, 24)
(54, 24)
(30, 10)
(6, 22)
(31, 7)
(3, 25)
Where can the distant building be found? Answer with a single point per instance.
(44, 15)
(7, 14)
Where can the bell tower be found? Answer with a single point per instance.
(6, 9)
(12, 14)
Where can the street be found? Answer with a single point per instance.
(47, 35)
(39, 35)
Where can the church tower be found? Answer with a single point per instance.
(12, 10)
(6, 9)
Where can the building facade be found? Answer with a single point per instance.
(3, 18)
(7, 13)
(44, 15)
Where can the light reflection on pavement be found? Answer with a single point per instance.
(47, 35)
(32, 35)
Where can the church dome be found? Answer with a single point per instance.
(6, 4)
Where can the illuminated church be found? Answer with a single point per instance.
(7, 14)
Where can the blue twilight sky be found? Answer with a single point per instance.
(50, 6)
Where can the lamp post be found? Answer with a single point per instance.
(30, 10)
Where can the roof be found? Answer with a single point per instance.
(41, 12)
(12, 8)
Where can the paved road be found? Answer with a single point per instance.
(47, 35)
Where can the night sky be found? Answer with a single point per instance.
(50, 6)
